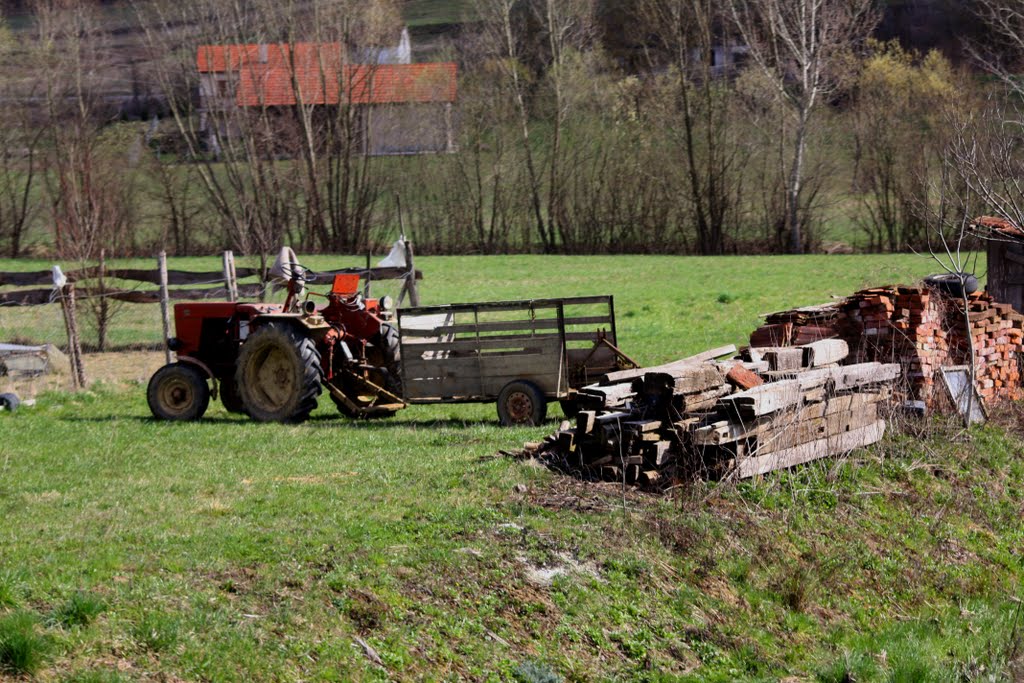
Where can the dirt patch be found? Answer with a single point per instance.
(121, 368)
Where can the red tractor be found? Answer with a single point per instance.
(272, 361)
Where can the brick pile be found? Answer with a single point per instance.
(920, 328)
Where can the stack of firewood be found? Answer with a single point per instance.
(770, 408)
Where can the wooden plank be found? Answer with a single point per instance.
(510, 365)
(705, 400)
(848, 441)
(596, 397)
(783, 435)
(685, 379)
(643, 425)
(732, 430)
(26, 297)
(852, 376)
(585, 421)
(506, 305)
(630, 375)
(764, 399)
(412, 348)
(784, 358)
(825, 352)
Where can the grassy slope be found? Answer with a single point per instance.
(226, 550)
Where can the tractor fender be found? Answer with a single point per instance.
(198, 363)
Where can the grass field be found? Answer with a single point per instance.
(230, 551)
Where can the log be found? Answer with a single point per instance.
(848, 441)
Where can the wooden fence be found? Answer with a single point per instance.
(37, 288)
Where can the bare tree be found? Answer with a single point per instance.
(690, 34)
(89, 188)
(798, 45)
(556, 28)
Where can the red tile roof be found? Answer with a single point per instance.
(996, 224)
(265, 76)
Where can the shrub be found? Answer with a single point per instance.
(535, 672)
(22, 647)
(79, 610)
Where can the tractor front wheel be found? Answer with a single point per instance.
(278, 374)
(178, 392)
(521, 403)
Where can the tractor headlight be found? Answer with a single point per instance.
(386, 303)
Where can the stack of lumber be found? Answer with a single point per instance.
(921, 329)
(771, 408)
(799, 326)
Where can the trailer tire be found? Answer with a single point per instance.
(178, 391)
(521, 403)
(278, 374)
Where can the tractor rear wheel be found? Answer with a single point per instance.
(521, 403)
(178, 391)
(278, 374)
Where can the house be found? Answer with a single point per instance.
(402, 108)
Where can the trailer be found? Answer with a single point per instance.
(519, 354)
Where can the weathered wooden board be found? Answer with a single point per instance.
(825, 352)
(729, 431)
(764, 399)
(844, 443)
(786, 358)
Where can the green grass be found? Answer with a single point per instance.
(226, 550)
(22, 648)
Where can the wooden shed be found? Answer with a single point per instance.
(1005, 247)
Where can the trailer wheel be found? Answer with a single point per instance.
(178, 392)
(521, 403)
(278, 374)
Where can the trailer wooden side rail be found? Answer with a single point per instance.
(531, 351)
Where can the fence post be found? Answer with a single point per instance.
(410, 278)
(165, 308)
(67, 302)
(230, 284)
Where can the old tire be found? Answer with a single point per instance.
(278, 374)
(178, 392)
(230, 397)
(949, 283)
(521, 403)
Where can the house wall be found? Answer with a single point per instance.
(408, 129)
(1006, 271)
